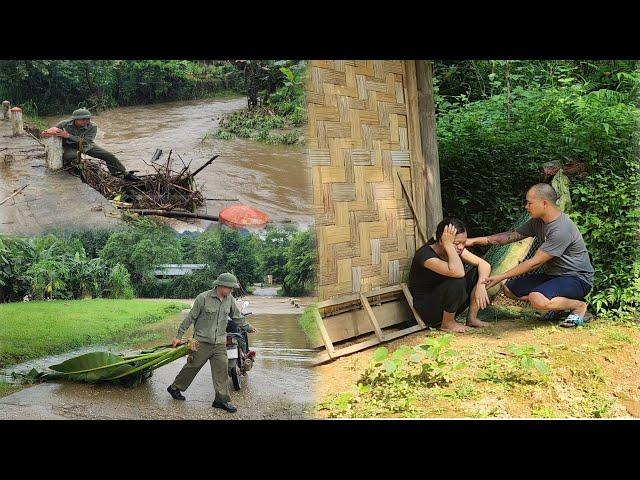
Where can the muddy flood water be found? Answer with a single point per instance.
(279, 386)
(273, 178)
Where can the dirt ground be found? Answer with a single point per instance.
(593, 374)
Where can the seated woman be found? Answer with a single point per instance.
(439, 285)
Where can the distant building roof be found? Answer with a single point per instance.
(177, 269)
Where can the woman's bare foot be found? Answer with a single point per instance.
(477, 323)
(453, 327)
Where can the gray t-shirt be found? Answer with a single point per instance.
(562, 239)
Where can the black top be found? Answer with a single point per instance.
(420, 277)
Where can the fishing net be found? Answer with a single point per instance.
(505, 257)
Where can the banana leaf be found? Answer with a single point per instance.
(105, 366)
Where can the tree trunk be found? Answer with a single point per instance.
(427, 113)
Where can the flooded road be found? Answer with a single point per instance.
(51, 200)
(273, 178)
(279, 386)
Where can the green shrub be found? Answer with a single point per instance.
(101, 84)
(301, 264)
(490, 155)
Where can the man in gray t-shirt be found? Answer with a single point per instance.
(568, 273)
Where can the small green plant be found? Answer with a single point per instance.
(544, 412)
(521, 365)
(393, 381)
(526, 358)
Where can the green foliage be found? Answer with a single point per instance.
(608, 215)
(522, 365)
(129, 370)
(276, 101)
(289, 256)
(54, 267)
(457, 83)
(100, 84)
(302, 257)
(121, 264)
(390, 383)
(308, 324)
(16, 256)
(493, 144)
(140, 249)
(261, 124)
(274, 251)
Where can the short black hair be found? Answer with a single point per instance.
(544, 191)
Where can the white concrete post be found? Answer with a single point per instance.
(6, 106)
(16, 121)
(54, 152)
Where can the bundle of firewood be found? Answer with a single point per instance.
(166, 189)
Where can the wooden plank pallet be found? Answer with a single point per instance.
(364, 302)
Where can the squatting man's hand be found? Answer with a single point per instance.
(491, 281)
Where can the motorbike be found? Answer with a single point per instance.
(239, 355)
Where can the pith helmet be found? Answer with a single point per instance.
(226, 280)
(80, 113)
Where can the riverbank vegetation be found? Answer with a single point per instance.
(31, 330)
(55, 87)
(276, 103)
(274, 90)
(499, 122)
(122, 263)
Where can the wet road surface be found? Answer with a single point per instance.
(279, 386)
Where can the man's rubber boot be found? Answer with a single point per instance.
(175, 393)
(225, 406)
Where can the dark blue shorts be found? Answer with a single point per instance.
(549, 285)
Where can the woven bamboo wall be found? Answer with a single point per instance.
(359, 137)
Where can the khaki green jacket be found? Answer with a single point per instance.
(86, 134)
(209, 316)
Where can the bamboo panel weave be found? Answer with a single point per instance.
(358, 140)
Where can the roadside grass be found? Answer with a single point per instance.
(308, 324)
(34, 329)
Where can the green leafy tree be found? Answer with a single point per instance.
(140, 249)
(301, 264)
(273, 252)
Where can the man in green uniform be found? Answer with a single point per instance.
(78, 133)
(209, 316)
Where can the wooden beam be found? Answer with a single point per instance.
(413, 209)
(355, 296)
(429, 144)
(371, 317)
(415, 147)
(409, 298)
(324, 357)
(348, 325)
(323, 332)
